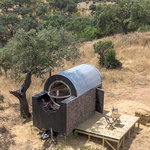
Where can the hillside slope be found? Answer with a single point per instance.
(127, 89)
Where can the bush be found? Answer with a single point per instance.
(89, 33)
(107, 55)
(92, 7)
(110, 61)
(144, 28)
(101, 48)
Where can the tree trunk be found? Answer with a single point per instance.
(124, 27)
(21, 95)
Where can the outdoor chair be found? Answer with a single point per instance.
(114, 111)
(116, 116)
(110, 122)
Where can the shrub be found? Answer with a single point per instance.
(92, 7)
(101, 48)
(89, 33)
(107, 55)
(144, 28)
(110, 61)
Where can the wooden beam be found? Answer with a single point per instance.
(111, 145)
(89, 137)
(103, 142)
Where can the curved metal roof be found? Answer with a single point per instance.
(84, 77)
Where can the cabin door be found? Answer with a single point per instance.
(99, 100)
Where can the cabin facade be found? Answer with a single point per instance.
(78, 93)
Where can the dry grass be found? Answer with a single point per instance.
(133, 51)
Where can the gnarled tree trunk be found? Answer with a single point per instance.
(21, 95)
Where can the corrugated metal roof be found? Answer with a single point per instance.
(84, 77)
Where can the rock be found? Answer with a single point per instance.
(144, 116)
(3, 129)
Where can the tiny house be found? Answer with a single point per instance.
(77, 92)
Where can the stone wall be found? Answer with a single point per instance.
(80, 109)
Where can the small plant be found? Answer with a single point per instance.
(75, 133)
(1, 98)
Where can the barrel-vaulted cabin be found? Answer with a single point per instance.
(77, 92)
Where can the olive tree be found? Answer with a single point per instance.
(122, 16)
(113, 18)
(69, 6)
(36, 53)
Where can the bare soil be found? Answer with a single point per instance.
(126, 89)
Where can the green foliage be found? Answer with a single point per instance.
(22, 2)
(42, 9)
(140, 12)
(5, 5)
(37, 52)
(92, 7)
(71, 8)
(56, 20)
(76, 24)
(5, 59)
(8, 19)
(84, 27)
(101, 47)
(104, 23)
(20, 16)
(107, 55)
(75, 133)
(144, 28)
(65, 5)
(3, 31)
(22, 10)
(110, 61)
(27, 23)
(128, 15)
(89, 33)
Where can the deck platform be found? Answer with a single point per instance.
(96, 127)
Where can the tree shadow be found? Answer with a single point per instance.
(132, 137)
(6, 139)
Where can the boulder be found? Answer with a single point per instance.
(144, 116)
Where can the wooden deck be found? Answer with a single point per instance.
(95, 126)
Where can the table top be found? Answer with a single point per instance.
(115, 115)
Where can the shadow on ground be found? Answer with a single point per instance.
(6, 139)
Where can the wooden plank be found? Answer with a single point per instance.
(110, 145)
(95, 126)
(95, 135)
